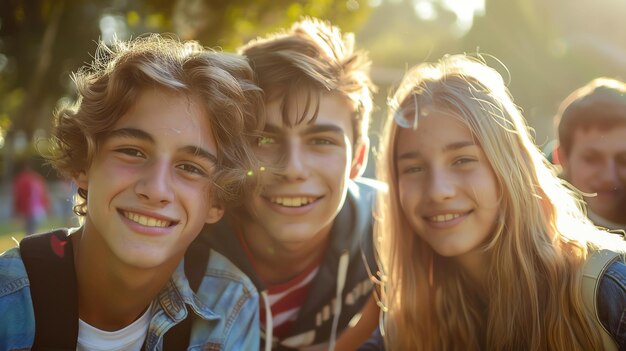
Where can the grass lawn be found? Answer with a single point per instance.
(13, 229)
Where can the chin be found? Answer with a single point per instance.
(143, 259)
(293, 239)
(450, 251)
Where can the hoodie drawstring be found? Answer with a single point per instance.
(269, 327)
(342, 272)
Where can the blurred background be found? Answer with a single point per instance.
(543, 48)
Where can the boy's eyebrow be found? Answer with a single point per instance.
(145, 136)
(448, 147)
(198, 151)
(271, 129)
(311, 129)
(130, 133)
(324, 128)
(409, 155)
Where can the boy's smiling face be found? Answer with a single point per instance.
(309, 163)
(148, 185)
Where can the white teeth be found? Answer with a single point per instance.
(444, 217)
(146, 221)
(296, 201)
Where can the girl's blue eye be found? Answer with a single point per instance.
(463, 160)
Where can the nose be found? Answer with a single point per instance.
(295, 163)
(155, 184)
(441, 185)
(621, 172)
(609, 175)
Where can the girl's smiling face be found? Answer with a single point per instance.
(448, 190)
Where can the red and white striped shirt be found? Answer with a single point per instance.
(285, 299)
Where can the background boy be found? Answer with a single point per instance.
(149, 144)
(592, 148)
(305, 238)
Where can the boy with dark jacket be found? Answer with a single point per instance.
(305, 238)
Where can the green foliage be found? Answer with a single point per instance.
(548, 47)
(45, 40)
(244, 20)
(395, 36)
(10, 102)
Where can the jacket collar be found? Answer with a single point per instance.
(176, 293)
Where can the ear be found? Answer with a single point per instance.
(361, 152)
(556, 153)
(81, 180)
(214, 213)
(562, 159)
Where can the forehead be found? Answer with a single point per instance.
(434, 132)
(310, 107)
(169, 116)
(606, 140)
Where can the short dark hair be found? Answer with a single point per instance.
(599, 104)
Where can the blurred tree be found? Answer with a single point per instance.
(520, 34)
(42, 41)
(229, 24)
(546, 48)
(550, 48)
(396, 36)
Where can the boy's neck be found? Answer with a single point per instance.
(277, 262)
(111, 295)
(604, 222)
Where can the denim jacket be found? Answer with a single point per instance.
(611, 300)
(226, 307)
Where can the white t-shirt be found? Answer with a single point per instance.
(130, 338)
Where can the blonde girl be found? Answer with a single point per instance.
(481, 244)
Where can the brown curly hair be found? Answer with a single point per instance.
(109, 87)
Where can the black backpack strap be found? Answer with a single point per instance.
(196, 259)
(49, 262)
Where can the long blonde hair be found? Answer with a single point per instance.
(536, 252)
